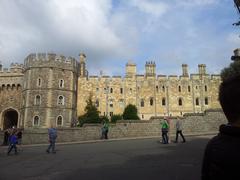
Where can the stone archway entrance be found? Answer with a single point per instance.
(10, 118)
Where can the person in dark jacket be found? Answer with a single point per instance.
(12, 143)
(222, 154)
(52, 135)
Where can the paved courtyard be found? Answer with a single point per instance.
(118, 160)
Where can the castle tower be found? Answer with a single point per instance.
(131, 69)
(150, 68)
(202, 69)
(236, 56)
(185, 70)
(82, 60)
(49, 91)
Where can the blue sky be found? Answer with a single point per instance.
(113, 32)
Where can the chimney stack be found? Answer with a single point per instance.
(185, 70)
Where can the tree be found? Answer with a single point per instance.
(130, 112)
(116, 117)
(91, 113)
(232, 70)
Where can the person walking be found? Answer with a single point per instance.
(106, 128)
(19, 139)
(179, 128)
(6, 137)
(52, 134)
(165, 127)
(12, 143)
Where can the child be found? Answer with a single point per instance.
(12, 143)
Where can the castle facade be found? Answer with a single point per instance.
(50, 89)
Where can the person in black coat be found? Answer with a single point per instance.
(222, 154)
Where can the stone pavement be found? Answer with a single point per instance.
(126, 159)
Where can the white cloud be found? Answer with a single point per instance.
(59, 26)
(234, 38)
(154, 8)
(191, 3)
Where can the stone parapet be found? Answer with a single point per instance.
(193, 124)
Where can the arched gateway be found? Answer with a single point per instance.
(10, 118)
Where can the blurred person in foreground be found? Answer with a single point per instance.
(222, 154)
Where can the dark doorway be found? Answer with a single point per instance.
(10, 119)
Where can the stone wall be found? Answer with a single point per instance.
(203, 123)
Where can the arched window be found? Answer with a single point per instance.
(142, 103)
(37, 100)
(97, 103)
(151, 101)
(111, 103)
(36, 121)
(39, 82)
(179, 89)
(163, 88)
(121, 103)
(60, 100)
(59, 121)
(163, 101)
(18, 86)
(61, 83)
(206, 88)
(189, 89)
(197, 101)
(157, 88)
(180, 102)
(8, 86)
(121, 90)
(206, 101)
(111, 90)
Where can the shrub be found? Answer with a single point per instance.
(130, 112)
(91, 114)
(116, 117)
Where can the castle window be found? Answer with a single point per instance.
(97, 89)
(36, 121)
(180, 102)
(111, 114)
(111, 90)
(206, 101)
(8, 86)
(97, 103)
(39, 82)
(163, 101)
(121, 90)
(157, 88)
(130, 90)
(111, 103)
(59, 121)
(18, 86)
(60, 100)
(196, 87)
(37, 100)
(61, 83)
(197, 101)
(179, 89)
(142, 103)
(189, 89)
(151, 101)
(163, 88)
(206, 88)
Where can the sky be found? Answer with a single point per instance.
(114, 32)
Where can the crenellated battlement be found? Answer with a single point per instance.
(50, 60)
(15, 68)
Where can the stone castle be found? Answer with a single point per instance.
(50, 89)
